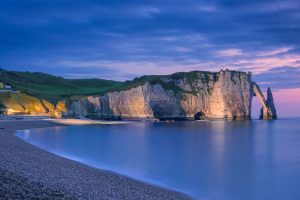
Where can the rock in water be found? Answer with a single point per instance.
(268, 112)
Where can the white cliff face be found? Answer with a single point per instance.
(223, 95)
(129, 104)
(226, 95)
(125, 104)
(236, 92)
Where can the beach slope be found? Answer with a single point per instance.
(28, 172)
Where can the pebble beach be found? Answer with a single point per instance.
(28, 172)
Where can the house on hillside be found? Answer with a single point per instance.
(4, 86)
(8, 87)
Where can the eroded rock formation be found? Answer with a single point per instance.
(193, 95)
(268, 111)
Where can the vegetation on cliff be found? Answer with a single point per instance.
(53, 88)
(151, 79)
(169, 82)
(44, 93)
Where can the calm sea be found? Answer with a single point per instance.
(216, 160)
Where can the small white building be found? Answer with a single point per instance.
(7, 87)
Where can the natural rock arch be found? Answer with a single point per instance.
(199, 115)
(268, 110)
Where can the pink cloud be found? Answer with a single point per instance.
(287, 102)
(287, 60)
(275, 51)
(263, 64)
(229, 52)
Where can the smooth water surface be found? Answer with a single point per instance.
(215, 160)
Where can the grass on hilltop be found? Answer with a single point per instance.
(53, 88)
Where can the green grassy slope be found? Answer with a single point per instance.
(42, 84)
(189, 77)
(54, 88)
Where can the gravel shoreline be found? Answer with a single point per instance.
(27, 172)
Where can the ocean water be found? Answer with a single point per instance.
(216, 160)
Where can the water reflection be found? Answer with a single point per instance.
(208, 159)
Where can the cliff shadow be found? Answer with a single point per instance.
(168, 109)
(199, 115)
(104, 112)
(3, 109)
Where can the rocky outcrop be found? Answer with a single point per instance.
(16, 103)
(268, 111)
(193, 95)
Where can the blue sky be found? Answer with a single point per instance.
(120, 40)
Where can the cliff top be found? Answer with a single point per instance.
(54, 88)
(167, 81)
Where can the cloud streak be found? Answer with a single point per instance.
(229, 52)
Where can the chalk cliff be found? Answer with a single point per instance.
(18, 103)
(192, 95)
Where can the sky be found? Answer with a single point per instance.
(121, 40)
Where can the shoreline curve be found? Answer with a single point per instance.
(44, 173)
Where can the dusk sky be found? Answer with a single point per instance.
(118, 39)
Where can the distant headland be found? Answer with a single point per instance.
(180, 96)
